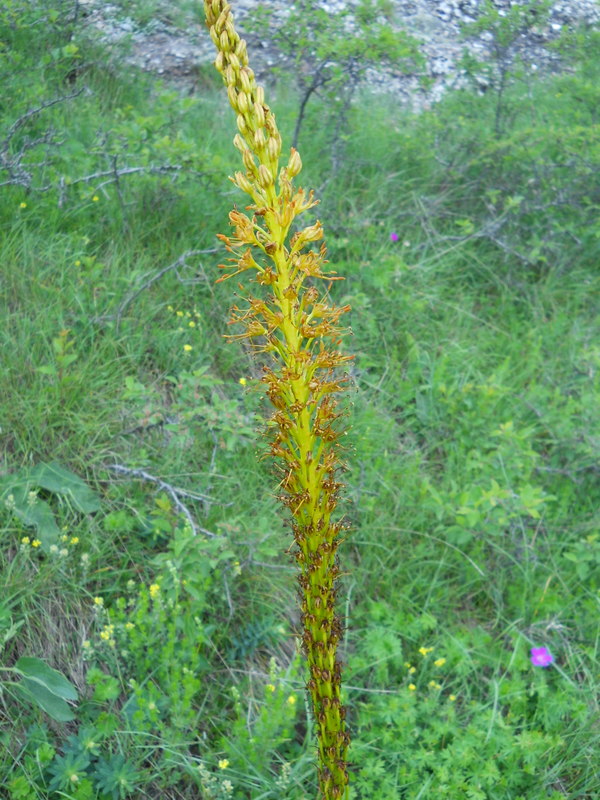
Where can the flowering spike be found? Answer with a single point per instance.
(296, 324)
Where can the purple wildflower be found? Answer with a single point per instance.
(541, 657)
(394, 237)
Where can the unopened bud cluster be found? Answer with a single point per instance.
(297, 326)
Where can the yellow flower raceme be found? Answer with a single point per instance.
(294, 323)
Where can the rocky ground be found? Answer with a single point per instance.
(174, 50)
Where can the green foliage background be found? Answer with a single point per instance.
(472, 489)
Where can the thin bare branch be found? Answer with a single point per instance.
(174, 493)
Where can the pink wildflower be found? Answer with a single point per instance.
(394, 237)
(541, 657)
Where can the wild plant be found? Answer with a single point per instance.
(296, 324)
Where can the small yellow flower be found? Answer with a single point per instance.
(26, 540)
(98, 601)
(425, 650)
(187, 347)
(78, 263)
(192, 324)
(22, 205)
(411, 687)
(64, 538)
(169, 308)
(412, 670)
(180, 313)
(439, 662)
(74, 539)
(291, 700)
(407, 664)
(270, 687)
(243, 381)
(86, 644)
(105, 635)
(223, 763)
(95, 198)
(129, 625)
(111, 642)
(36, 543)
(452, 698)
(154, 590)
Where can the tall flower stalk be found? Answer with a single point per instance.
(294, 323)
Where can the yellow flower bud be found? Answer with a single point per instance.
(230, 77)
(241, 52)
(249, 163)
(294, 164)
(273, 149)
(242, 182)
(259, 114)
(245, 79)
(240, 143)
(264, 176)
(242, 102)
(233, 96)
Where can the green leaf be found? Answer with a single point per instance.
(39, 515)
(54, 706)
(36, 670)
(47, 369)
(56, 478)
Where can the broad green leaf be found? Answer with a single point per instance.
(34, 669)
(56, 478)
(54, 706)
(38, 514)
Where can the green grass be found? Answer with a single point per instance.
(472, 483)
